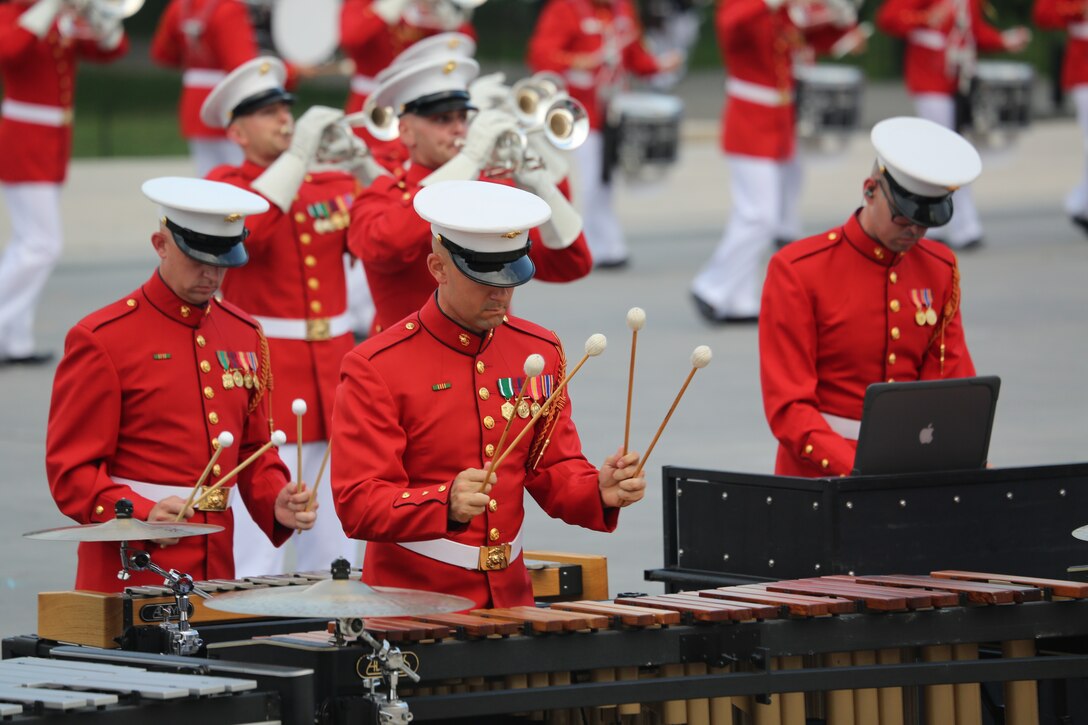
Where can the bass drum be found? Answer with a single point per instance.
(999, 104)
(306, 32)
(644, 134)
(827, 106)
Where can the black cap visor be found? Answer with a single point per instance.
(494, 269)
(926, 211)
(258, 101)
(436, 103)
(208, 249)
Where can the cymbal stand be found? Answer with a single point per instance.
(390, 662)
(181, 638)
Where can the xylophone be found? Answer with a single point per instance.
(870, 650)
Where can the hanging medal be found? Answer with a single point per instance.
(247, 376)
(524, 409)
(228, 379)
(919, 314)
(546, 382)
(254, 363)
(931, 314)
(506, 390)
(236, 364)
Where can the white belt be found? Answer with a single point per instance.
(454, 554)
(36, 113)
(156, 492)
(202, 78)
(1079, 31)
(320, 328)
(932, 39)
(579, 78)
(848, 428)
(363, 85)
(756, 93)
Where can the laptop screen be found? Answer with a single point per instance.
(926, 425)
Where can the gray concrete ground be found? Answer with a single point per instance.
(1024, 303)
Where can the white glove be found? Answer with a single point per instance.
(565, 224)
(390, 10)
(489, 91)
(483, 132)
(449, 17)
(361, 163)
(106, 27)
(39, 18)
(281, 180)
(554, 160)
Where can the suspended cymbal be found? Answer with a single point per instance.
(336, 599)
(1081, 533)
(123, 529)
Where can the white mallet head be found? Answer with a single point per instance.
(596, 344)
(534, 365)
(278, 437)
(298, 406)
(700, 356)
(226, 439)
(636, 318)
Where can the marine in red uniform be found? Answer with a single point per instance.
(594, 44)
(38, 72)
(1072, 16)
(868, 302)
(420, 407)
(293, 285)
(206, 39)
(146, 386)
(387, 234)
(943, 39)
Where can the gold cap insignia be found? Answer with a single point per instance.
(952, 188)
(454, 42)
(231, 218)
(449, 67)
(265, 67)
(511, 235)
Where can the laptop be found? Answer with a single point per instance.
(926, 425)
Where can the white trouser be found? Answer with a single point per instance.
(35, 247)
(965, 225)
(731, 281)
(789, 219)
(600, 223)
(360, 303)
(207, 153)
(1076, 203)
(315, 549)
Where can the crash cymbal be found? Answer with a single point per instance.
(336, 599)
(1081, 533)
(122, 529)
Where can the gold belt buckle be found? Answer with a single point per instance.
(317, 328)
(67, 116)
(216, 500)
(494, 558)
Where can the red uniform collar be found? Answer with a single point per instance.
(868, 247)
(449, 333)
(163, 299)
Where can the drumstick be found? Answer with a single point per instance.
(636, 318)
(225, 440)
(298, 407)
(594, 346)
(317, 481)
(534, 365)
(278, 439)
(700, 358)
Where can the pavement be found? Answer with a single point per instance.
(1024, 307)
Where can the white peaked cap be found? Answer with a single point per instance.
(924, 157)
(260, 79)
(444, 45)
(444, 79)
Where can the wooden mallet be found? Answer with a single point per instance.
(700, 358)
(278, 439)
(595, 345)
(636, 319)
(225, 440)
(534, 365)
(298, 407)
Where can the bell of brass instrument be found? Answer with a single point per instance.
(541, 102)
(76, 19)
(566, 124)
(531, 96)
(379, 121)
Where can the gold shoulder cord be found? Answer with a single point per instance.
(544, 433)
(950, 309)
(265, 374)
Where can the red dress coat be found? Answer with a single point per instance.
(393, 242)
(1070, 15)
(139, 394)
(41, 73)
(838, 313)
(226, 42)
(418, 404)
(926, 68)
(296, 271)
(573, 27)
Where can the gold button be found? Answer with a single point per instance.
(484, 393)
(215, 444)
(480, 367)
(312, 283)
(893, 277)
(401, 185)
(442, 488)
(299, 216)
(464, 339)
(494, 534)
(305, 238)
(213, 417)
(315, 306)
(405, 495)
(208, 392)
(217, 469)
(891, 380)
(808, 448)
(489, 422)
(310, 261)
(409, 325)
(185, 311)
(878, 253)
(406, 196)
(425, 492)
(489, 450)
(205, 366)
(201, 341)
(832, 236)
(891, 358)
(492, 505)
(99, 510)
(130, 302)
(894, 305)
(895, 333)
(307, 178)
(825, 463)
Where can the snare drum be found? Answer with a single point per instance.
(647, 133)
(828, 105)
(1000, 102)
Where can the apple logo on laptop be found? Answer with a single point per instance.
(925, 436)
